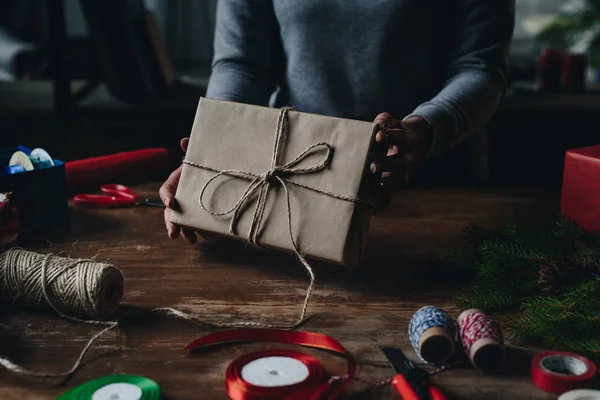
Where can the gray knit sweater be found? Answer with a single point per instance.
(443, 60)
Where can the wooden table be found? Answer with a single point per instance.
(362, 309)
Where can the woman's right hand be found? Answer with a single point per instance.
(167, 194)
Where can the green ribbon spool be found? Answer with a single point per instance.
(103, 386)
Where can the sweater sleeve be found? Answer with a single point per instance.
(246, 52)
(476, 72)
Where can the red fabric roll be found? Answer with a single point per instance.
(120, 167)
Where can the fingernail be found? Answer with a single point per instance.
(170, 232)
(168, 202)
(381, 136)
(374, 168)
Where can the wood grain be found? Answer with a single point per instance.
(363, 309)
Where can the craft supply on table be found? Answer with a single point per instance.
(9, 221)
(22, 160)
(115, 387)
(482, 339)
(580, 200)
(115, 196)
(75, 287)
(38, 186)
(127, 166)
(432, 334)
(259, 375)
(580, 394)
(558, 372)
(40, 159)
(79, 290)
(410, 383)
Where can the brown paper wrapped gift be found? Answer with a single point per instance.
(319, 180)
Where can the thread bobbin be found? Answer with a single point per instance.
(486, 353)
(436, 345)
(432, 334)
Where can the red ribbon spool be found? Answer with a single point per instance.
(238, 388)
(317, 386)
(559, 371)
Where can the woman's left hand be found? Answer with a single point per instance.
(407, 142)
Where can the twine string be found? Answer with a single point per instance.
(259, 187)
(68, 286)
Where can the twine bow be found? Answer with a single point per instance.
(261, 184)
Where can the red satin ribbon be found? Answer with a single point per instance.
(318, 386)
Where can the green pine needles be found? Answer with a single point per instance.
(547, 276)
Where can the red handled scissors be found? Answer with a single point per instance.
(409, 382)
(116, 196)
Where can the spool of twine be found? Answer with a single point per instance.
(80, 290)
(482, 339)
(432, 334)
(77, 288)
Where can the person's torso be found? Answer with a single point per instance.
(358, 58)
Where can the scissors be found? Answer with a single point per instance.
(410, 383)
(116, 196)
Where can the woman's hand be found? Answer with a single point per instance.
(167, 195)
(407, 143)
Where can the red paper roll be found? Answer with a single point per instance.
(558, 371)
(120, 167)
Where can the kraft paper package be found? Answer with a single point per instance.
(232, 186)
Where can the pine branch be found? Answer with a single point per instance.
(527, 328)
(502, 249)
(486, 299)
(515, 265)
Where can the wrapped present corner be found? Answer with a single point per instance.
(580, 197)
(279, 179)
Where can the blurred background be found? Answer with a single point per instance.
(87, 77)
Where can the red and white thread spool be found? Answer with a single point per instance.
(482, 339)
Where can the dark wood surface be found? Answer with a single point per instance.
(363, 309)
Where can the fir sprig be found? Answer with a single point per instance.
(549, 273)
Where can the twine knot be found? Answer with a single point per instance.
(260, 184)
(271, 176)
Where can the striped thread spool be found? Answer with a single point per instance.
(482, 339)
(432, 334)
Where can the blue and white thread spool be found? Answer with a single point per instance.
(432, 334)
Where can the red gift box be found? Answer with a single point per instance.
(580, 198)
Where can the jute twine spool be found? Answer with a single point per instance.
(76, 287)
(80, 290)
(482, 339)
